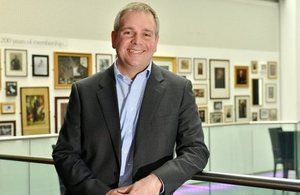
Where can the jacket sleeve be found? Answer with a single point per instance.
(70, 167)
(192, 153)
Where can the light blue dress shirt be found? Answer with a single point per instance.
(130, 95)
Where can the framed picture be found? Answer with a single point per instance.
(216, 117)
(168, 63)
(263, 69)
(272, 70)
(254, 116)
(8, 108)
(218, 105)
(254, 66)
(15, 62)
(271, 92)
(203, 114)
(241, 75)
(7, 128)
(71, 67)
(35, 110)
(228, 113)
(200, 91)
(242, 108)
(264, 114)
(11, 88)
(184, 65)
(60, 110)
(273, 114)
(40, 65)
(219, 79)
(200, 68)
(257, 92)
(103, 61)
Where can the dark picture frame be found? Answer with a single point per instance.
(40, 65)
(60, 110)
(11, 88)
(7, 128)
(103, 61)
(71, 67)
(203, 114)
(219, 79)
(16, 62)
(35, 110)
(257, 92)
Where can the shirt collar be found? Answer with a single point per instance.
(118, 74)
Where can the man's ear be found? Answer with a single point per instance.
(113, 39)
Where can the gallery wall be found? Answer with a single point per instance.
(34, 45)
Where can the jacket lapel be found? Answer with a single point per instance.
(108, 101)
(153, 93)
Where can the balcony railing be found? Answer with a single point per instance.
(235, 179)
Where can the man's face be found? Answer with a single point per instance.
(136, 41)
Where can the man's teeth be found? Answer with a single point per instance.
(135, 51)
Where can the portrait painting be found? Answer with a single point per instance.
(219, 79)
(35, 110)
(60, 110)
(242, 108)
(254, 66)
(40, 65)
(241, 76)
(15, 62)
(254, 116)
(203, 114)
(228, 113)
(200, 68)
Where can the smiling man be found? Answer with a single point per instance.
(122, 124)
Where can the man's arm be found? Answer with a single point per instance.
(192, 153)
(70, 167)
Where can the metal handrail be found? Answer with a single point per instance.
(235, 179)
(250, 180)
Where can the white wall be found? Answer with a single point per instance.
(234, 24)
(290, 59)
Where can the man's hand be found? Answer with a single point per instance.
(149, 185)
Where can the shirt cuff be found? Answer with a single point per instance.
(162, 189)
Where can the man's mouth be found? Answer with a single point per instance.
(135, 51)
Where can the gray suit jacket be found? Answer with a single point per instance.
(87, 153)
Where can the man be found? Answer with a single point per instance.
(122, 124)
